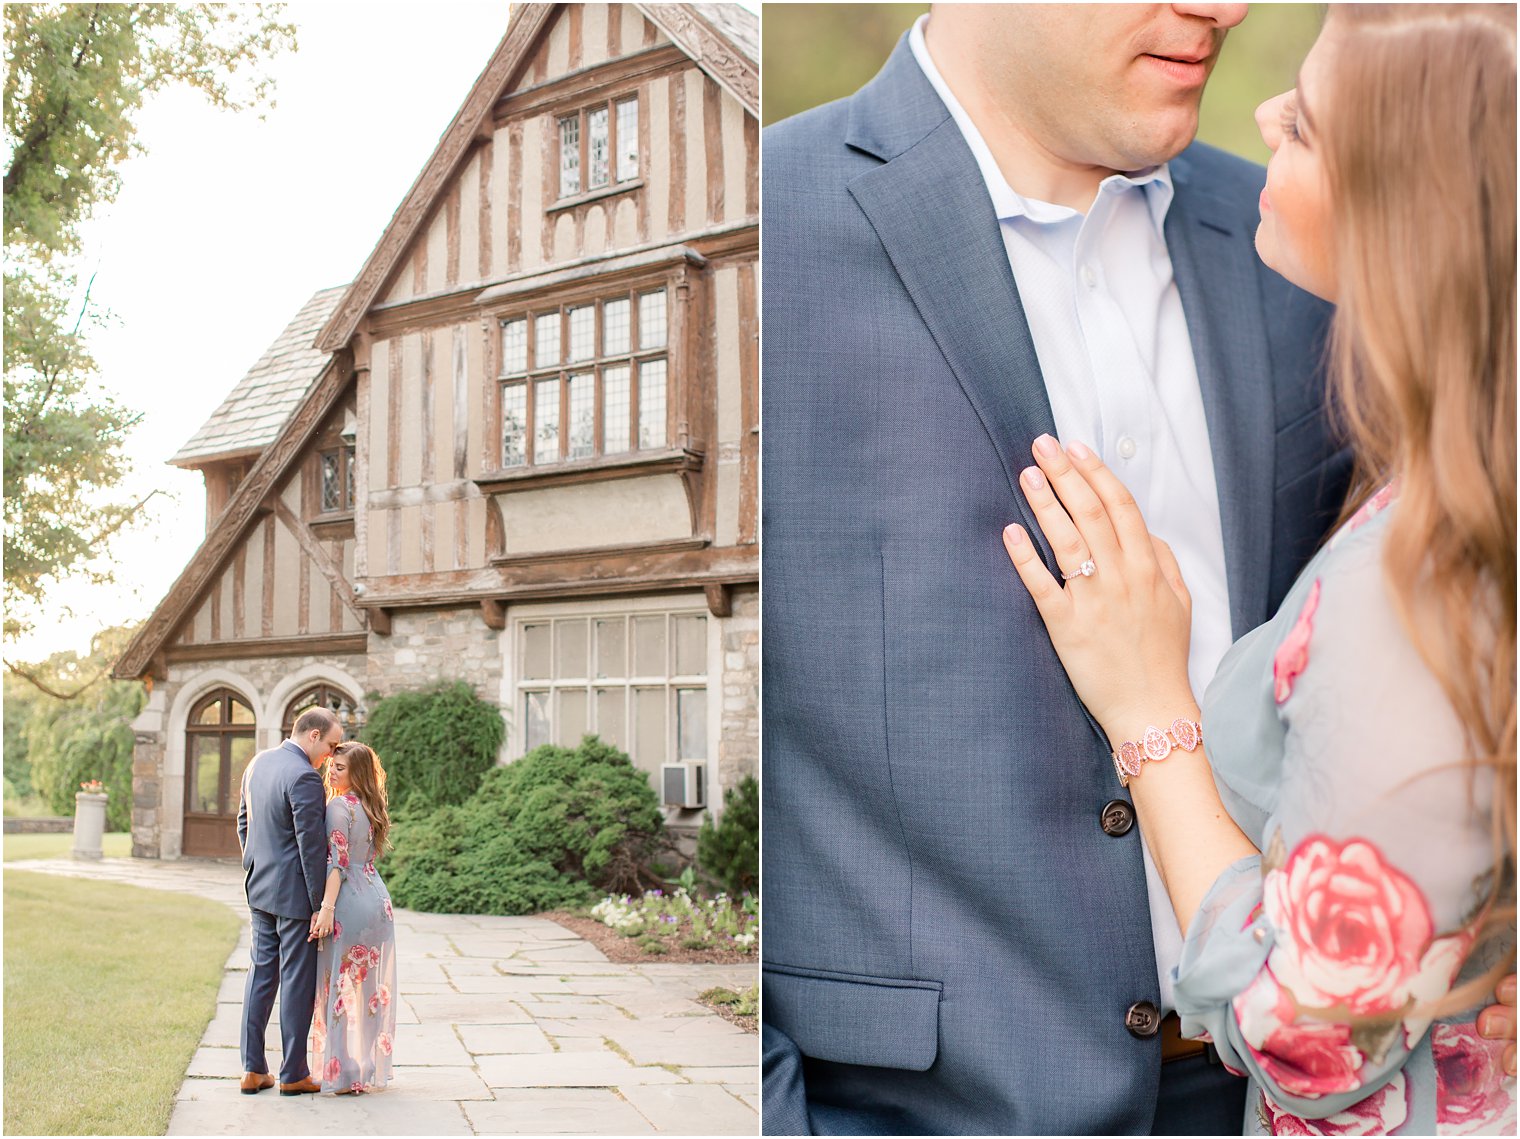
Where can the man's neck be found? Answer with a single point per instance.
(1030, 168)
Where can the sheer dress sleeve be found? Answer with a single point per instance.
(1305, 964)
(340, 833)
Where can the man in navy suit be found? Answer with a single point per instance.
(1007, 234)
(282, 830)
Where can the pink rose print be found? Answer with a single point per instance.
(339, 849)
(389, 914)
(1378, 1114)
(1293, 654)
(1311, 1060)
(374, 1005)
(334, 1067)
(356, 1086)
(383, 995)
(338, 1009)
(1352, 930)
(1471, 1092)
(1438, 969)
(383, 1042)
(337, 928)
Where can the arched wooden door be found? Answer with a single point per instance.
(219, 742)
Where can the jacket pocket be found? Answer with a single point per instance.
(880, 1022)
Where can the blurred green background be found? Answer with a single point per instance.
(817, 52)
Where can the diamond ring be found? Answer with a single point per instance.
(1086, 569)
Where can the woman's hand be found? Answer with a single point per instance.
(1122, 632)
(321, 923)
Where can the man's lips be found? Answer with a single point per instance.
(1187, 72)
(1264, 203)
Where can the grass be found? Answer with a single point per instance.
(61, 845)
(108, 989)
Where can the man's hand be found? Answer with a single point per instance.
(312, 933)
(1498, 1021)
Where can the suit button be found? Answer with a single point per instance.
(1118, 816)
(1143, 1019)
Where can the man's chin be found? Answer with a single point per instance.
(1161, 143)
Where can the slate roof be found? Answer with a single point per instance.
(251, 416)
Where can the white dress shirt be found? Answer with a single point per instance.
(1108, 328)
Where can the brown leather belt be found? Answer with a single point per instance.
(1173, 1045)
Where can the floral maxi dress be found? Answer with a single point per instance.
(1337, 752)
(355, 1019)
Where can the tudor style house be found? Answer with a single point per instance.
(520, 449)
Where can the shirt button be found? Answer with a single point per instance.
(1089, 278)
(1117, 817)
(1143, 1019)
(1127, 448)
(1259, 935)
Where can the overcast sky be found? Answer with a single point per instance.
(224, 228)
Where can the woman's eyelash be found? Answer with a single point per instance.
(1290, 122)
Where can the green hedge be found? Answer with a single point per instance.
(730, 850)
(558, 827)
(435, 743)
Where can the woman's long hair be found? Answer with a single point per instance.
(1417, 122)
(366, 779)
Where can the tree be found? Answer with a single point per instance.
(76, 76)
(88, 734)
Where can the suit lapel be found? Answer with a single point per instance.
(930, 209)
(1216, 269)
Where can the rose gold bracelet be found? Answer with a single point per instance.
(1155, 745)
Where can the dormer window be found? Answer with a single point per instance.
(585, 379)
(599, 147)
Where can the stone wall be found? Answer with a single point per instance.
(268, 683)
(740, 693)
(427, 645)
(16, 825)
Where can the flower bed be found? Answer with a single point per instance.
(660, 921)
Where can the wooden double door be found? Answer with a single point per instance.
(219, 742)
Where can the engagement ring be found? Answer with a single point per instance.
(1086, 569)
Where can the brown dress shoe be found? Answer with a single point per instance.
(300, 1087)
(255, 1082)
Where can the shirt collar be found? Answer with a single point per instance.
(1155, 181)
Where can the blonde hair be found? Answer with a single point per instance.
(1417, 130)
(366, 779)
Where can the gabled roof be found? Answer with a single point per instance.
(240, 513)
(722, 39)
(251, 416)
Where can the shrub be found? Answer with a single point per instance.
(730, 850)
(435, 743)
(555, 828)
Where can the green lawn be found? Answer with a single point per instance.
(108, 989)
(61, 845)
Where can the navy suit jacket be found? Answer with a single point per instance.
(282, 830)
(952, 939)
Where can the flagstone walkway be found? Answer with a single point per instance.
(505, 1026)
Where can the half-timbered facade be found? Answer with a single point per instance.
(520, 449)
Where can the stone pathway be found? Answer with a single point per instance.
(505, 1026)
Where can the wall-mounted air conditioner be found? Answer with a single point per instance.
(683, 784)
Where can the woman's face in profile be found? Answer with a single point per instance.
(337, 773)
(1295, 236)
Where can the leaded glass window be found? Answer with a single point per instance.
(599, 147)
(585, 379)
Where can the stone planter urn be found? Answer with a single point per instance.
(89, 823)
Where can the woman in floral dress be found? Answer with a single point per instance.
(1344, 876)
(355, 1019)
